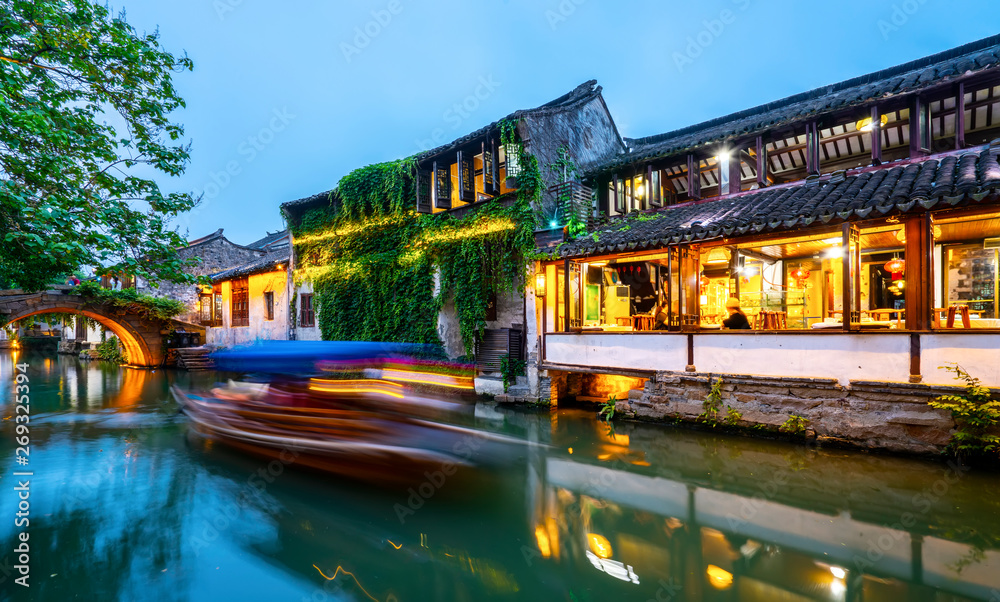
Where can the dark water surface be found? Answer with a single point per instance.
(125, 505)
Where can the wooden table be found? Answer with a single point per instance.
(877, 313)
(637, 322)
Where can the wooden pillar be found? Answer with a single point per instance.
(690, 287)
(812, 148)
(694, 177)
(670, 293)
(735, 170)
(876, 136)
(690, 347)
(851, 276)
(566, 295)
(919, 260)
(616, 193)
(762, 163)
(960, 116)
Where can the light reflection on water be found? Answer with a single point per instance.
(126, 506)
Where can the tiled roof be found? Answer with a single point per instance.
(908, 77)
(969, 176)
(579, 95)
(273, 239)
(266, 263)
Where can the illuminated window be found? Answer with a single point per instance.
(240, 302)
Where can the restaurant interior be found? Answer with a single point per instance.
(791, 283)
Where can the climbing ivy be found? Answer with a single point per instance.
(147, 306)
(372, 258)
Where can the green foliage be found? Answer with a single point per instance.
(510, 370)
(608, 409)
(713, 402)
(795, 425)
(372, 258)
(733, 417)
(563, 167)
(110, 351)
(85, 102)
(976, 416)
(147, 306)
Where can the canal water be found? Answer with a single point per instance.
(125, 504)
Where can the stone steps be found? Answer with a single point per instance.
(194, 358)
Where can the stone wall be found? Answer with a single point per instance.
(875, 415)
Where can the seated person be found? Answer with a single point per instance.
(737, 320)
(660, 317)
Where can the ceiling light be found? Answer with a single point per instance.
(865, 125)
(832, 241)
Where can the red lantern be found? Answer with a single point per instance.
(895, 266)
(800, 274)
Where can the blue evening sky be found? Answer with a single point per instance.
(288, 97)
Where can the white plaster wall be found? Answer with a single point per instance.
(979, 354)
(260, 329)
(844, 357)
(632, 351)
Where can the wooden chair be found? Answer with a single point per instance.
(962, 310)
(770, 320)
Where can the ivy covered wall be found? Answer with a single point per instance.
(372, 258)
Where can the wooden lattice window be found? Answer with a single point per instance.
(269, 305)
(205, 305)
(240, 302)
(307, 317)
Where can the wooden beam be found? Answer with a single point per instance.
(876, 135)
(960, 116)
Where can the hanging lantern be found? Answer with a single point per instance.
(800, 274)
(895, 266)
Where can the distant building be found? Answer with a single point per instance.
(215, 253)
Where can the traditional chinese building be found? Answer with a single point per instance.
(473, 175)
(856, 226)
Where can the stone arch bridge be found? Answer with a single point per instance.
(142, 339)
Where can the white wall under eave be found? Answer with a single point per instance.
(978, 354)
(629, 351)
(845, 357)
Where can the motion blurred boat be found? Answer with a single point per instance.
(367, 411)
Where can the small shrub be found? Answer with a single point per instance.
(713, 402)
(975, 414)
(608, 409)
(510, 369)
(795, 425)
(109, 351)
(733, 417)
